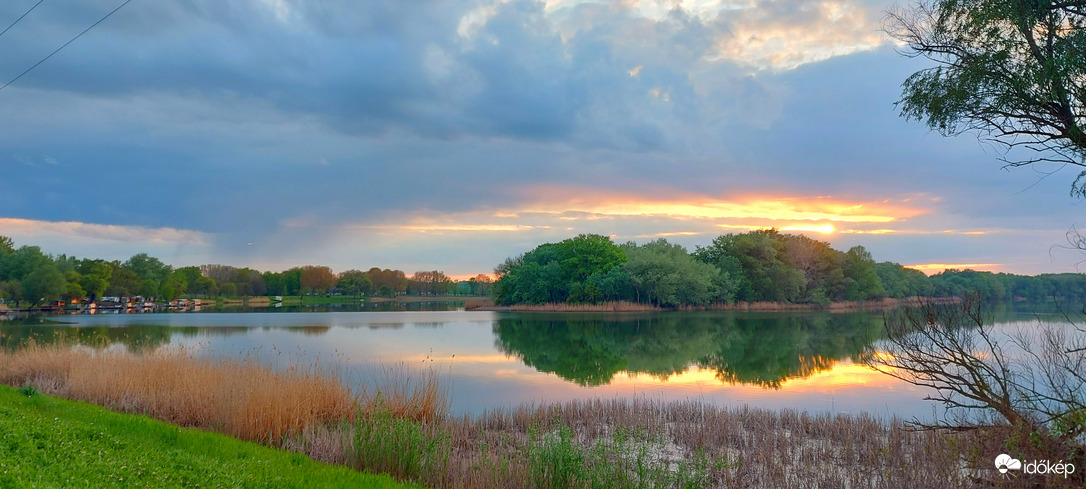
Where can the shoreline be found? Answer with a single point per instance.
(846, 306)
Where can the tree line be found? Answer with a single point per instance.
(756, 266)
(28, 275)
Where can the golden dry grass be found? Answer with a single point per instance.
(407, 393)
(472, 303)
(243, 400)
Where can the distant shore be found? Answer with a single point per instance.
(846, 306)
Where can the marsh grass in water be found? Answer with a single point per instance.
(405, 430)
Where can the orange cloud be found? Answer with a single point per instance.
(423, 227)
(824, 229)
(564, 209)
(933, 268)
(553, 200)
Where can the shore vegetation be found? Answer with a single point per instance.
(406, 431)
(742, 271)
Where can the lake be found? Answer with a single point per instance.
(490, 360)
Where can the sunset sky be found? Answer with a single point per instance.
(426, 134)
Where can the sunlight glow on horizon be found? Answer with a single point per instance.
(824, 229)
(934, 268)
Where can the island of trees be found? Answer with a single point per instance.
(756, 266)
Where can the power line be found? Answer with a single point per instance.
(77, 36)
(21, 17)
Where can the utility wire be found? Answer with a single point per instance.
(21, 17)
(77, 36)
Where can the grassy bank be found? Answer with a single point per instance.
(49, 442)
(470, 302)
(404, 430)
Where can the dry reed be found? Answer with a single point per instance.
(243, 400)
(472, 303)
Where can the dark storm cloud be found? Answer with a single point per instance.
(270, 125)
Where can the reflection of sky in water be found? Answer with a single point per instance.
(463, 348)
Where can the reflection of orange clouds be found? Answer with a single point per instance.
(840, 374)
(933, 268)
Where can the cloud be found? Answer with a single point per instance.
(31, 229)
(111, 242)
(399, 133)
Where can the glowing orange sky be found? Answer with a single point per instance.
(933, 268)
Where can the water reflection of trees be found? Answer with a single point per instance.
(134, 338)
(762, 350)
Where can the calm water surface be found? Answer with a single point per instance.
(490, 360)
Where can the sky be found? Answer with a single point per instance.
(449, 135)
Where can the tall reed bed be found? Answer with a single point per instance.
(404, 429)
(239, 398)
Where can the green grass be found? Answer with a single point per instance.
(401, 447)
(49, 442)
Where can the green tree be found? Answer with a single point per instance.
(43, 284)
(167, 292)
(123, 283)
(11, 290)
(664, 274)
(292, 281)
(7, 246)
(184, 279)
(761, 257)
(354, 282)
(149, 287)
(74, 291)
(228, 289)
(204, 287)
(863, 280)
(96, 282)
(17, 265)
(275, 283)
(1013, 71)
(902, 282)
(558, 272)
(149, 268)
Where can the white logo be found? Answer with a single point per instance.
(1004, 462)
